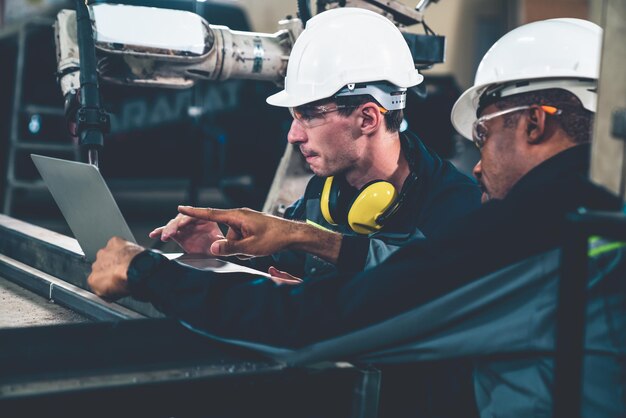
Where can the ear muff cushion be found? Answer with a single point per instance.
(369, 204)
(325, 200)
(337, 196)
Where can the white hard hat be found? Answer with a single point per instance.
(348, 47)
(555, 53)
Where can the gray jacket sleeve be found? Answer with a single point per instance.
(380, 250)
(359, 253)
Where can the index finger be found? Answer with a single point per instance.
(225, 216)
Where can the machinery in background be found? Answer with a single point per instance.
(149, 46)
(190, 142)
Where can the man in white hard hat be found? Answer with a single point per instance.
(565, 72)
(530, 113)
(374, 188)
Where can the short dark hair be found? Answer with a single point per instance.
(393, 118)
(576, 121)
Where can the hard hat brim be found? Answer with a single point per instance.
(283, 99)
(463, 112)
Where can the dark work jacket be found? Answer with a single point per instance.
(440, 196)
(530, 220)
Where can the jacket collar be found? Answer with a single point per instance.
(572, 161)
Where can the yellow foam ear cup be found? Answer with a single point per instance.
(371, 202)
(325, 199)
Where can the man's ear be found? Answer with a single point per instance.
(535, 122)
(370, 118)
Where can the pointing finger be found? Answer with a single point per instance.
(225, 216)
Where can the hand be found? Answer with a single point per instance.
(108, 277)
(282, 277)
(194, 235)
(250, 233)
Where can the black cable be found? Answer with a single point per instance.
(427, 28)
(303, 11)
(91, 120)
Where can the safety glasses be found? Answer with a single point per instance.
(480, 132)
(311, 116)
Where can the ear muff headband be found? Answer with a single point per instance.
(409, 183)
(408, 149)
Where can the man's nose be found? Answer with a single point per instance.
(296, 133)
(478, 170)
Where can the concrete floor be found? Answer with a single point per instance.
(22, 308)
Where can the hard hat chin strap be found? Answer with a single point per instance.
(387, 95)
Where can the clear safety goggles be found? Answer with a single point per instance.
(480, 132)
(311, 116)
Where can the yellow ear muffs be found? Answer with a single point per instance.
(365, 211)
(325, 199)
(335, 201)
(371, 202)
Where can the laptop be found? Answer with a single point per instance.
(94, 217)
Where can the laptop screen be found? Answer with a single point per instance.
(85, 201)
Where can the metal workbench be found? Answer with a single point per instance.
(106, 359)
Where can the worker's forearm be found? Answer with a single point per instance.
(323, 244)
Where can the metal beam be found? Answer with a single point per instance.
(608, 155)
(159, 368)
(63, 293)
(54, 254)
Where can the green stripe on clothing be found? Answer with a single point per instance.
(611, 246)
(310, 222)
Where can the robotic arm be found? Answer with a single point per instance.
(147, 46)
